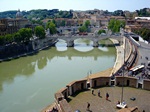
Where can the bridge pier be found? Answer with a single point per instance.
(95, 43)
(70, 43)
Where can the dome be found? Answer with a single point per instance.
(19, 14)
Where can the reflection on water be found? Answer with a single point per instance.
(61, 45)
(103, 48)
(83, 45)
(28, 84)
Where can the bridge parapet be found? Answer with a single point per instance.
(70, 38)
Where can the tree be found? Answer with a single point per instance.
(2, 40)
(52, 27)
(40, 32)
(101, 31)
(144, 33)
(82, 28)
(87, 23)
(115, 25)
(17, 37)
(8, 38)
(63, 23)
(26, 34)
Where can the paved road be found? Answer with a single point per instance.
(144, 51)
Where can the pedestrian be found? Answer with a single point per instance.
(99, 94)
(88, 106)
(92, 91)
(107, 96)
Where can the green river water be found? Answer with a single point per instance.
(28, 84)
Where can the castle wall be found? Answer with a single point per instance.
(146, 84)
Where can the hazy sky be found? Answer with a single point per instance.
(109, 5)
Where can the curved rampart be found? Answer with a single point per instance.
(97, 80)
(75, 87)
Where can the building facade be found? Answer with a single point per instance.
(9, 26)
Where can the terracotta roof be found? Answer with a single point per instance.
(102, 19)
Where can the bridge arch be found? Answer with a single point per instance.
(69, 39)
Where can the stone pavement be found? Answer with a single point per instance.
(100, 104)
(119, 57)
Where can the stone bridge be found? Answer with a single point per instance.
(70, 39)
(62, 29)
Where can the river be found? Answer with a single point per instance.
(28, 84)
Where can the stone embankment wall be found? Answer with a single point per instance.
(81, 85)
(15, 50)
(99, 80)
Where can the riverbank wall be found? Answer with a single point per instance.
(14, 51)
(100, 79)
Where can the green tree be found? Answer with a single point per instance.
(8, 38)
(54, 21)
(52, 27)
(63, 23)
(39, 32)
(115, 25)
(83, 28)
(101, 31)
(17, 37)
(87, 23)
(145, 33)
(2, 40)
(26, 34)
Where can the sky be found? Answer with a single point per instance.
(110, 5)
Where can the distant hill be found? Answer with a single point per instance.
(38, 14)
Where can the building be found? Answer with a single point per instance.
(102, 22)
(132, 28)
(9, 26)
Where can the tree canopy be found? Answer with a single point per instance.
(87, 23)
(39, 32)
(144, 33)
(115, 25)
(84, 28)
(101, 31)
(52, 27)
(25, 34)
